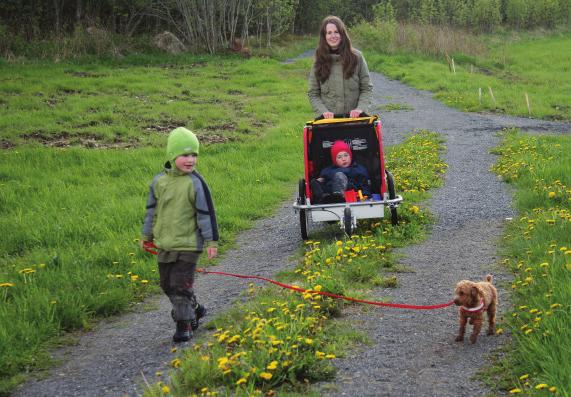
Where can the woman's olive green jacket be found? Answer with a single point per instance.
(339, 95)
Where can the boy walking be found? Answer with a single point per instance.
(181, 222)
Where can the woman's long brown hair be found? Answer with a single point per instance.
(323, 59)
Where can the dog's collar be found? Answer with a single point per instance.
(477, 309)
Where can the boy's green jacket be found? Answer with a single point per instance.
(180, 212)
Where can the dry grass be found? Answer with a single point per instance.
(436, 40)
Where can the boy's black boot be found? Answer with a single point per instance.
(183, 332)
(199, 312)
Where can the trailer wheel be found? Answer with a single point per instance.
(392, 196)
(303, 224)
(302, 213)
(347, 221)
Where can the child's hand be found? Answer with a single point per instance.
(148, 246)
(212, 252)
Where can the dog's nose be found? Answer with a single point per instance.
(457, 302)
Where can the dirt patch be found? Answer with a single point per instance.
(5, 144)
(66, 139)
(209, 138)
(164, 126)
(76, 73)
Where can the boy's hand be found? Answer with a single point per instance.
(148, 246)
(212, 252)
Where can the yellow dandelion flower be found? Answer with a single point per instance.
(551, 194)
(165, 389)
(159, 373)
(308, 341)
(173, 350)
(524, 377)
(414, 209)
(204, 390)
(499, 331)
(330, 356)
(516, 390)
(7, 284)
(266, 375)
(176, 363)
(553, 389)
(233, 339)
(528, 331)
(272, 365)
(541, 386)
(240, 381)
(144, 281)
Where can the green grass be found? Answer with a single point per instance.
(536, 66)
(280, 341)
(129, 102)
(70, 216)
(538, 251)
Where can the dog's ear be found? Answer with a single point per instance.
(474, 293)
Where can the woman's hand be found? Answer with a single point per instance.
(328, 115)
(355, 112)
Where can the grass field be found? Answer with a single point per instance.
(524, 76)
(538, 252)
(84, 141)
(280, 341)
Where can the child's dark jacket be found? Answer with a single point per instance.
(356, 174)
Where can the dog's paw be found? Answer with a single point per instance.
(473, 338)
(459, 339)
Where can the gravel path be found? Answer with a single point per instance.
(412, 353)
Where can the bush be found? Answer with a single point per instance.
(486, 15)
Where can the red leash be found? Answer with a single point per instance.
(150, 248)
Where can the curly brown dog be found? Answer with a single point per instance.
(473, 299)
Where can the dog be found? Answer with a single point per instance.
(474, 299)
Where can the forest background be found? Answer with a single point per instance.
(69, 28)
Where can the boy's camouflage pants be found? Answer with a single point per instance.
(176, 270)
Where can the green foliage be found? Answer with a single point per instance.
(538, 252)
(484, 15)
(281, 340)
(71, 216)
(536, 66)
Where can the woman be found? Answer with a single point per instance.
(339, 80)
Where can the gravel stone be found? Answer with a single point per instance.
(411, 352)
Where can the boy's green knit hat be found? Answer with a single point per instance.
(181, 141)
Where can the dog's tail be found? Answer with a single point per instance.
(490, 278)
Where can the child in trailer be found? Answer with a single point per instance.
(181, 222)
(344, 174)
